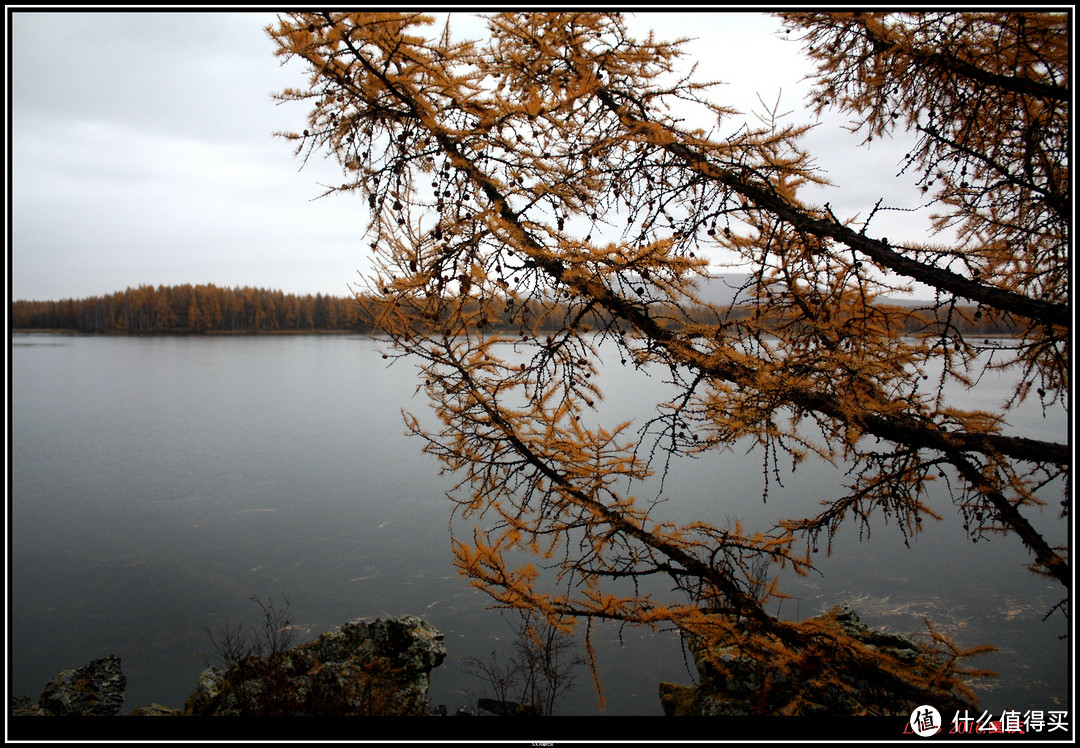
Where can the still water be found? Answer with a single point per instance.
(158, 482)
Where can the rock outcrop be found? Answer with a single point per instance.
(377, 668)
(154, 710)
(733, 685)
(94, 690)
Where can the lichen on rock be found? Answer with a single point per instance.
(839, 668)
(94, 690)
(377, 668)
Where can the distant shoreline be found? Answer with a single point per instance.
(210, 310)
(275, 333)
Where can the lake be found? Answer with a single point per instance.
(157, 482)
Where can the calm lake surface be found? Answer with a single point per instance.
(157, 482)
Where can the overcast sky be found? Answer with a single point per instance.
(142, 149)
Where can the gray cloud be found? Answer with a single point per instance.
(143, 153)
(142, 148)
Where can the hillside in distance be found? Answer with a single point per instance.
(722, 290)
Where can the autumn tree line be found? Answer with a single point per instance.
(190, 309)
(207, 308)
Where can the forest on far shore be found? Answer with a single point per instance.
(191, 308)
(208, 308)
